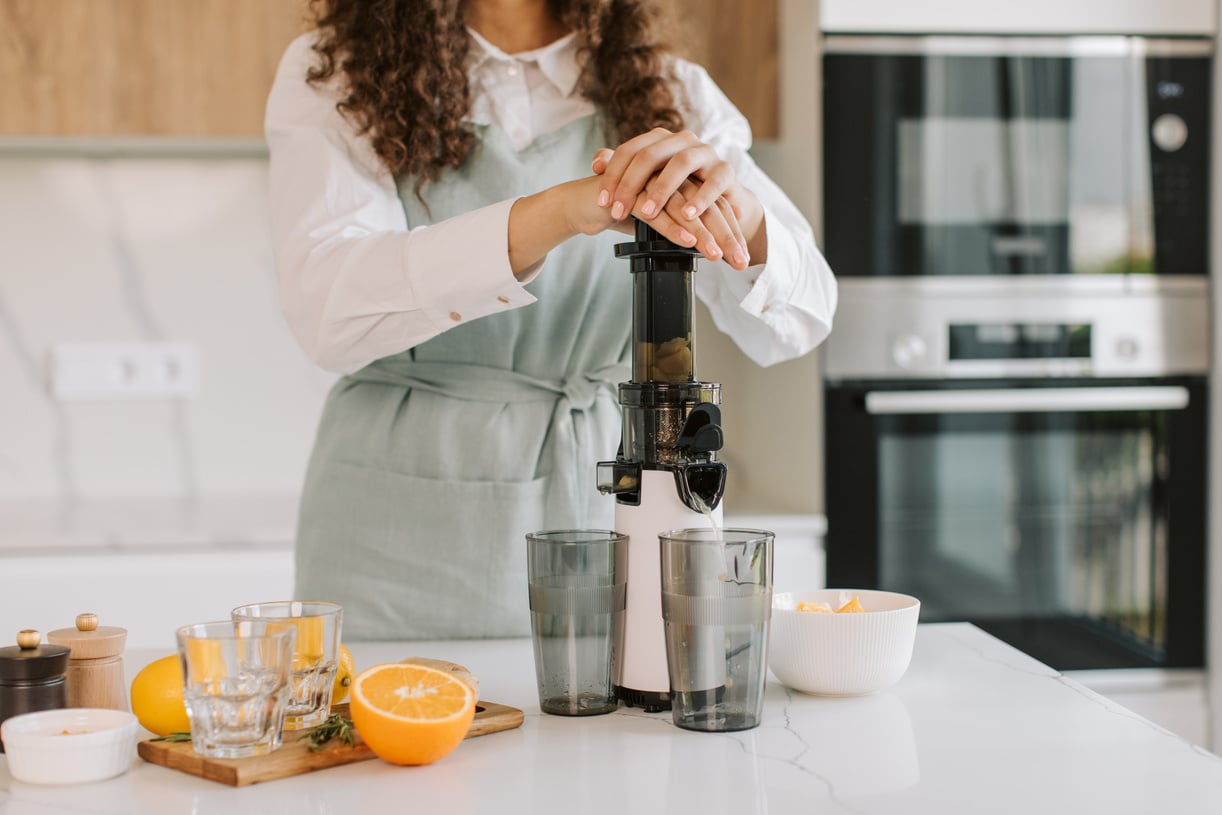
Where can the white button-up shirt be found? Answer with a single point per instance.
(356, 284)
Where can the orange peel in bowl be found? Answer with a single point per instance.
(815, 606)
(851, 607)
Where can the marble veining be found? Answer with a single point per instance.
(974, 726)
(1034, 668)
(136, 304)
(110, 247)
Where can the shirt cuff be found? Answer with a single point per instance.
(764, 290)
(459, 268)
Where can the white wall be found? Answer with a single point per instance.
(98, 249)
(773, 416)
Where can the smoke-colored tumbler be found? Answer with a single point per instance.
(716, 606)
(577, 583)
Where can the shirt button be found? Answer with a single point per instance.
(455, 316)
(512, 70)
(503, 298)
(762, 310)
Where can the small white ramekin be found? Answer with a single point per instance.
(69, 745)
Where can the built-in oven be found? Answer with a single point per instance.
(1016, 388)
(1027, 454)
(990, 155)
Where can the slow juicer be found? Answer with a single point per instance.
(666, 474)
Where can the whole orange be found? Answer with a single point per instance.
(156, 696)
(344, 672)
(411, 714)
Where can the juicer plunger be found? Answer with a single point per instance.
(666, 474)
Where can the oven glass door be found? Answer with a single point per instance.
(1082, 162)
(1067, 520)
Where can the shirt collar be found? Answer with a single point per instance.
(556, 60)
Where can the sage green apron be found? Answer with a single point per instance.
(431, 465)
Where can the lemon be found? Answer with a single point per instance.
(343, 676)
(157, 697)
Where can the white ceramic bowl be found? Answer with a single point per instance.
(69, 745)
(842, 654)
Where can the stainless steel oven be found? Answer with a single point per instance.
(990, 155)
(1026, 454)
(1016, 389)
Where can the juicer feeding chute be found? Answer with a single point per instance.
(666, 474)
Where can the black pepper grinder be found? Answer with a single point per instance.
(32, 676)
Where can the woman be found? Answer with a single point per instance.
(444, 206)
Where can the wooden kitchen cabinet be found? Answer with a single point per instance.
(738, 42)
(201, 68)
(140, 67)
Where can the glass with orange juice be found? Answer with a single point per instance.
(235, 685)
(315, 656)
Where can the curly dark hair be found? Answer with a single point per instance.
(404, 81)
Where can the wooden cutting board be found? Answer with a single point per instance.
(294, 756)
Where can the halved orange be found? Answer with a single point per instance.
(411, 714)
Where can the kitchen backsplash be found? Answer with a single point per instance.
(139, 246)
(100, 250)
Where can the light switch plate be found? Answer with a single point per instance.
(97, 371)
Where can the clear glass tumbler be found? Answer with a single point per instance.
(577, 583)
(235, 686)
(315, 656)
(716, 606)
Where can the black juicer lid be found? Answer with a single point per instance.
(42, 661)
(651, 252)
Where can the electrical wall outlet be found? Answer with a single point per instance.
(124, 370)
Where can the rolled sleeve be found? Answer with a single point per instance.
(780, 309)
(355, 283)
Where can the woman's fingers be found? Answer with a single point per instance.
(670, 229)
(727, 212)
(623, 156)
(601, 159)
(649, 162)
(699, 163)
(643, 174)
(717, 230)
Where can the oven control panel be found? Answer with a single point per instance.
(888, 328)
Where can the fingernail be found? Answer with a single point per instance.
(603, 198)
(741, 258)
(689, 212)
(648, 207)
(687, 237)
(711, 250)
(617, 211)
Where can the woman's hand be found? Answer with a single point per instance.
(539, 223)
(674, 181)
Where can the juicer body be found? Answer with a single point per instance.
(666, 475)
(641, 677)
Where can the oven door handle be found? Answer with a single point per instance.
(1028, 400)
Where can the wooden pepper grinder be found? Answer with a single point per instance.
(95, 664)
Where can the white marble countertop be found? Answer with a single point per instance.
(973, 727)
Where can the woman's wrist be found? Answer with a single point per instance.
(537, 224)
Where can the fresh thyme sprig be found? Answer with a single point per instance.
(173, 737)
(334, 727)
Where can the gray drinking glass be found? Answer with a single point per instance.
(716, 606)
(577, 583)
